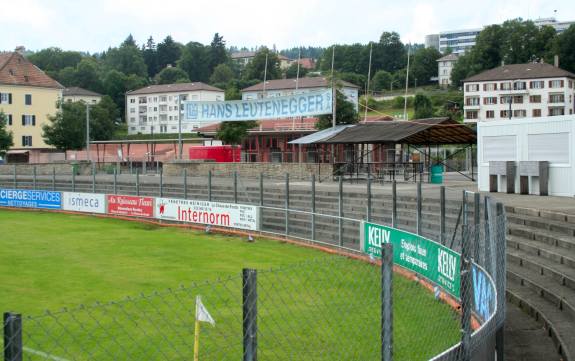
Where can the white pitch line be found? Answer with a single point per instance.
(43, 354)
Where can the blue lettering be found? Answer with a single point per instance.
(221, 111)
(276, 108)
(268, 109)
(284, 106)
(205, 110)
(253, 109)
(228, 113)
(293, 106)
(301, 105)
(246, 110)
(319, 102)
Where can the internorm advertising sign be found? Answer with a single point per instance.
(203, 212)
(84, 202)
(295, 105)
(30, 199)
(427, 258)
(131, 206)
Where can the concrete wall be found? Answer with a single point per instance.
(61, 168)
(296, 171)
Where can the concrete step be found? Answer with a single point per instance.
(542, 249)
(561, 227)
(542, 235)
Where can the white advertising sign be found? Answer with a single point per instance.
(203, 212)
(84, 202)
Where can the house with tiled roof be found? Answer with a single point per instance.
(27, 97)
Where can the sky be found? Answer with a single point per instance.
(93, 26)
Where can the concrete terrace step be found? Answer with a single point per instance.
(562, 227)
(541, 235)
(559, 325)
(545, 250)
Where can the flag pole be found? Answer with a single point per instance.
(197, 332)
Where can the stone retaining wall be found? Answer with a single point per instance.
(84, 168)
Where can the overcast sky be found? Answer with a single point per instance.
(94, 25)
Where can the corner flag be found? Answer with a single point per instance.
(202, 315)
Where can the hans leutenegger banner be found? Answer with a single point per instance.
(297, 105)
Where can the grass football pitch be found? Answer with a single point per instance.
(113, 292)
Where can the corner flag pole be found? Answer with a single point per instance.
(197, 339)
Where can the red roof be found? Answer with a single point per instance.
(15, 69)
(270, 125)
(307, 63)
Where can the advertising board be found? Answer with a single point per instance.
(130, 206)
(24, 198)
(84, 202)
(203, 212)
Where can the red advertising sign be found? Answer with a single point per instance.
(131, 206)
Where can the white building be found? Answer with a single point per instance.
(519, 91)
(154, 109)
(445, 65)
(462, 40)
(75, 94)
(281, 87)
(243, 57)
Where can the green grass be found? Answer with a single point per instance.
(315, 306)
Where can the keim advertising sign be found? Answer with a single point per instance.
(131, 206)
(84, 202)
(429, 259)
(296, 105)
(203, 212)
(30, 199)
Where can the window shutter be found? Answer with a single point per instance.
(9, 119)
(30, 140)
(9, 98)
(562, 83)
(0, 98)
(23, 141)
(23, 119)
(33, 120)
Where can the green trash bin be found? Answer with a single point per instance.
(75, 169)
(437, 174)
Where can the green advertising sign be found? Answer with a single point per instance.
(425, 257)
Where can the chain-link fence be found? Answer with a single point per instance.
(323, 310)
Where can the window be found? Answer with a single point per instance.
(472, 87)
(142, 100)
(471, 114)
(472, 101)
(490, 100)
(490, 114)
(536, 113)
(132, 128)
(28, 99)
(518, 99)
(163, 128)
(132, 110)
(556, 83)
(26, 140)
(505, 86)
(163, 107)
(490, 87)
(5, 98)
(519, 113)
(556, 111)
(29, 120)
(132, 100)
(132, 119)
(504, 114)
(556, 98)
(163, 117)
(537, 84)
(163, 98)
(535, 99)
(506, 99)
(519, 85)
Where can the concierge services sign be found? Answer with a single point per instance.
(203, 212)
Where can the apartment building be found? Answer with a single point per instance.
(519, 91)
(445, 65)
(154, 109)
(282, 87)
(27, 97)
(76, 94)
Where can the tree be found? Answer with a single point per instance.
(194, 61)
(234, 132)
(345, 113)
(217, 52)
(233, 93)
(126, 59)
(67, 129)
(390, 53)
(354, 78)
(103, 119)
(52, 60)
(168, 52)
(423, 107)
(381, 80)
(6, 140)
(425, 65)
(563, 46)
(256, 67)
(222, 74)
(171, 75)
(291, 72)
(150, 57)
(87, 75)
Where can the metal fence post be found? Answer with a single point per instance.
(442, 215)
(34, 177)
(12, 337)
(185, 171)
(210, 185)
(386, 302)
(419, 201)
(53, 178)
(115, 181)
(476, 225)
(340, 211)
(465, 287)
(161, 182)
(287, 205)
(313, 206)
(137, 181)
(500, 279)
(15, 177)
(235, 186)
(73, 179)
(93, 178)
(368, 197)
(487, 261)
(394, 204)
(261, 220)
(250, 313)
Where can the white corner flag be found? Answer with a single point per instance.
(202, 313)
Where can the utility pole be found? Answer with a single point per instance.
(179, 128)
(368, 77)
(406, 84)
(265, 74)
(334, 91)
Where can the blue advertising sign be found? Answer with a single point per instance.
(24, 198)
(296, 105)
(484, 293)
